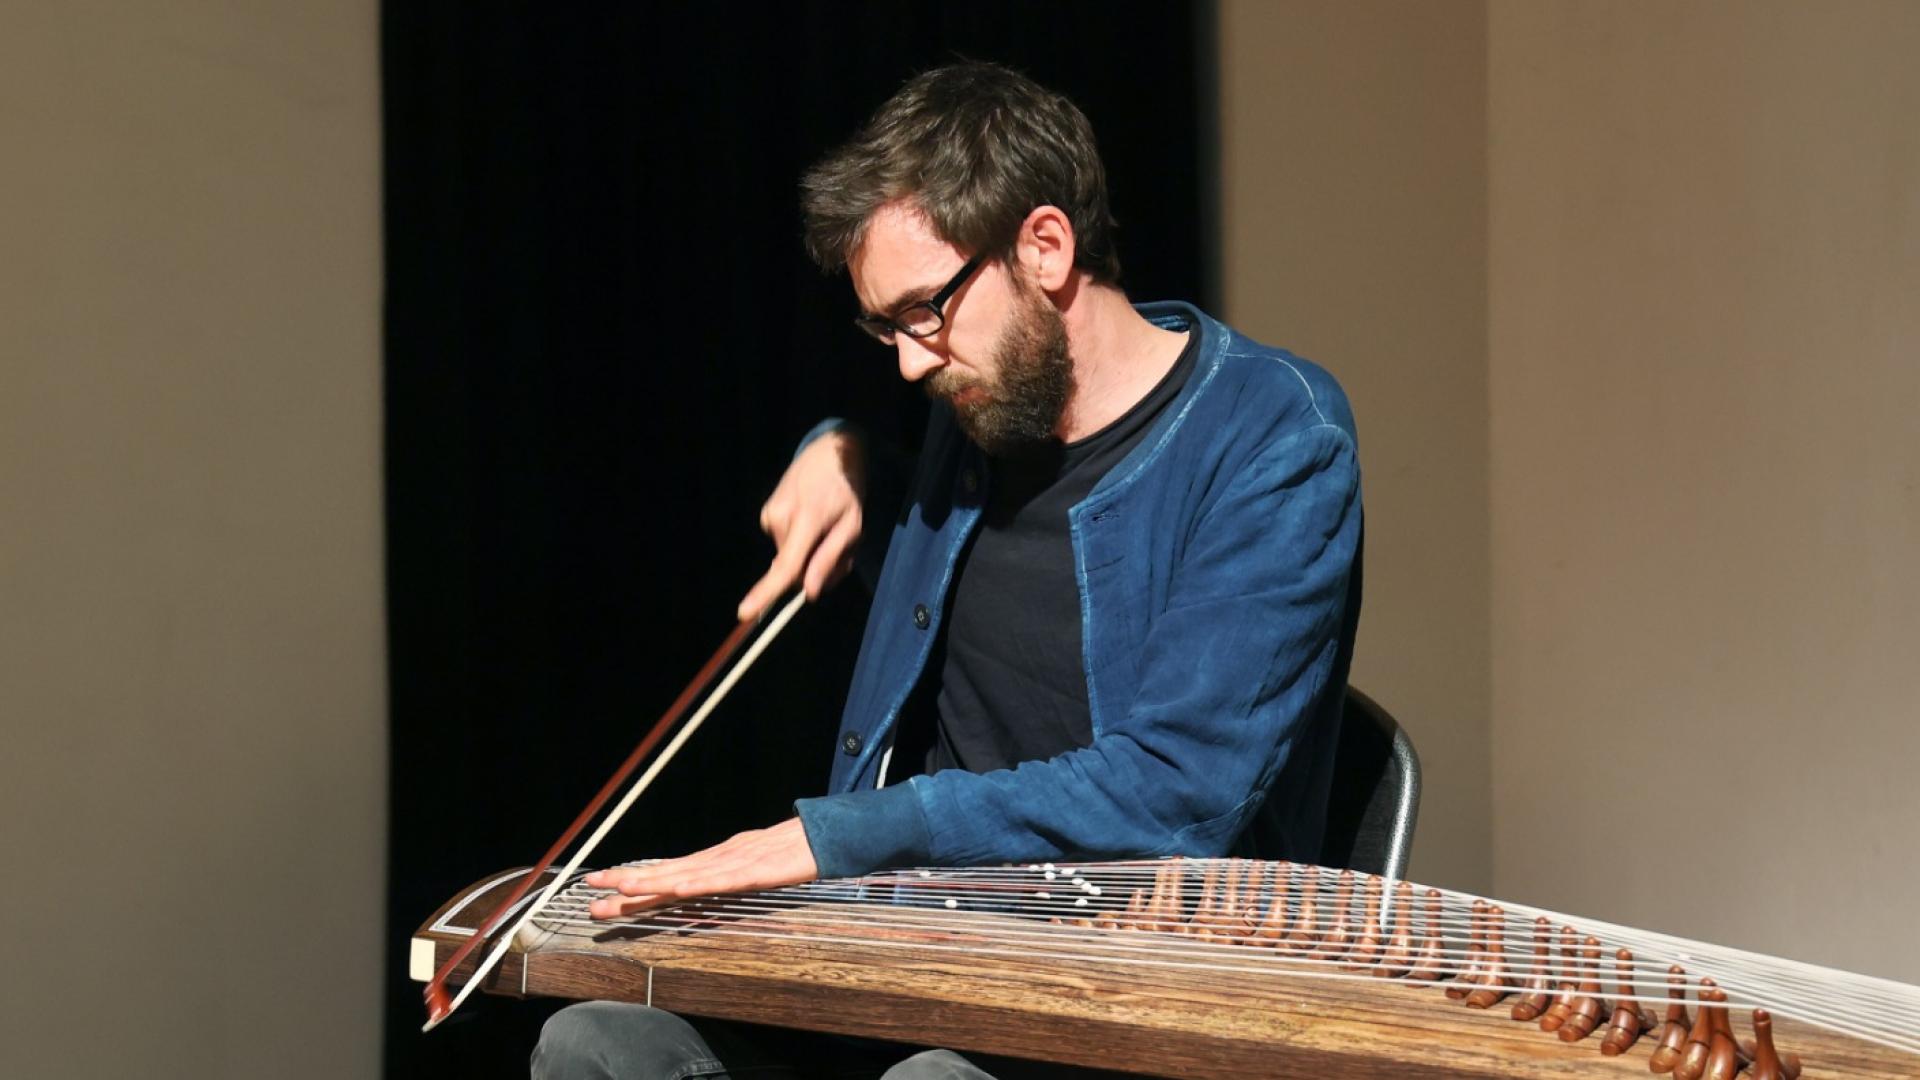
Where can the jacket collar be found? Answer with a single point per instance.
(1212, 349)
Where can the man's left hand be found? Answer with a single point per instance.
(758, 859)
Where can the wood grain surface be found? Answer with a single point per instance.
(1161, 1021)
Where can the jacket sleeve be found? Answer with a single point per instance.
(888, 468)
(1231, 667)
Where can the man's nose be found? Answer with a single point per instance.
(917, 361)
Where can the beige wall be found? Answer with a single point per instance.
(1353, 211)
(1643, 462)
(191, 642)
(1706, 469)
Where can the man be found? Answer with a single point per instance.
(1116, 613)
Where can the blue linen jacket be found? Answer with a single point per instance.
(1219, 575)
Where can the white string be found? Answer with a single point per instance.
(613, 818)
(1840, 1001)
(1187, 946)
(1514, 922)
(1120, 948)
(1204, 958)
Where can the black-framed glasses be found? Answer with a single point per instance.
(920, 320)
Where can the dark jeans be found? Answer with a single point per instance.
(611, 1040)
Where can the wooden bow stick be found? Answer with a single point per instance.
(743, 637)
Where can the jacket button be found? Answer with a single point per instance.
(850, 742)
(921, 617)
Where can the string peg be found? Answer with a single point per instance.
(1398, 959)
(1253, 885)
(1273, 927)
(1223, 921)
(1156, 901)
(1539, 986)
(1470, 972)
(1767, 1063)
(1341, 931)
(1272, 930)
(1201, 923)
(1723, 1053)
(1281, 878)
(1229, 921)
(1306, 927)
(1494, 983)
(1562, 1006)
(1230, 890)
(1175, 915)
(1673, 1035)
(1367, 948)
(1587, 1008)
(1431, 963)
(1623, 1030)
(1254, 888)
(1693, 1056)
(1166, 905)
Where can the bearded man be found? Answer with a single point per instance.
(1117, 609)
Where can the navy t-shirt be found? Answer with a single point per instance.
(1006, 677)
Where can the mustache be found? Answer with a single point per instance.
(947, 385)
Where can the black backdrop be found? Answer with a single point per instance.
(602, 341)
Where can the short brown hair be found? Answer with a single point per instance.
(977, 147)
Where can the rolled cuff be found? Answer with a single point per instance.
(863, 831)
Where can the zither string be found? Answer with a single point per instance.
(1836, 1000)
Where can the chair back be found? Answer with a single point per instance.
(1375, 798)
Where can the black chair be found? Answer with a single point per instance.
(1376, 792)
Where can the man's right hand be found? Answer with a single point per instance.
(814, 520)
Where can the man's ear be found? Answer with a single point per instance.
(1045, 248)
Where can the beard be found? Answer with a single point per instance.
(1019, 407)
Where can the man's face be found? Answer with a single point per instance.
(1000, 361)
